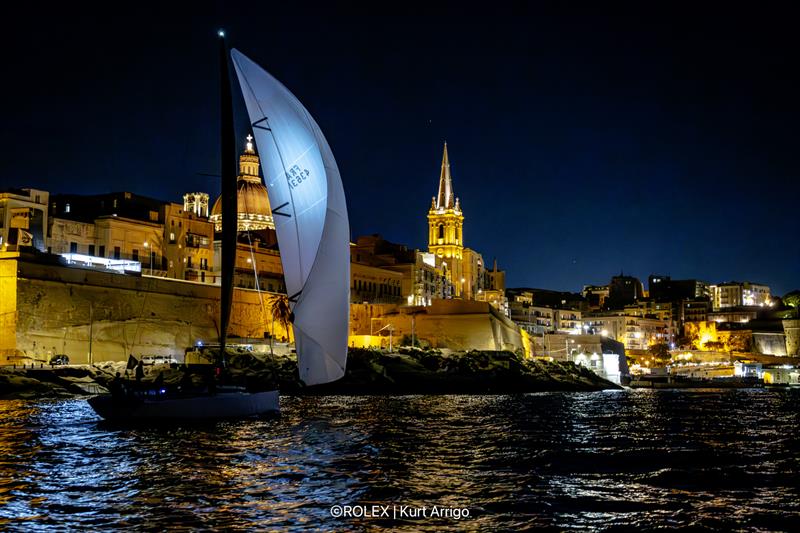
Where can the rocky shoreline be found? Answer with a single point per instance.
(409, 371)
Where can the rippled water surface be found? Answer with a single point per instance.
(719, 459)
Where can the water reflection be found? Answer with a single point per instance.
(719, 459)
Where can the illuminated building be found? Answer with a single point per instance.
(635, 332)
(737, 294)
(23, 210)
(540, 311)
(445, 229)
(197, 203)
(385, 272)
(648, 307)
(739, 314)
(595, 295)
(495, 291)
(165, 238)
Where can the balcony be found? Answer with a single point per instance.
(194, 240)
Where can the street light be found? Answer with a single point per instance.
(150, 258)
(390, 327)
(566, 347)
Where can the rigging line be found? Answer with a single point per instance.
(255, 267)
(255, 274)
(283, 165)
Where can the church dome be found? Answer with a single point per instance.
(254, 211)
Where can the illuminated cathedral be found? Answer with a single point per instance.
(254, 211)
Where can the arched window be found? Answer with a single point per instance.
(441, 231)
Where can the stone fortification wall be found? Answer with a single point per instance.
(791, 328)
(58, 309)
(52, 309)
(454, 324)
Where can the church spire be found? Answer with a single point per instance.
(446, 198)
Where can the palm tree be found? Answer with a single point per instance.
(279, 309)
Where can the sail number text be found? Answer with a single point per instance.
(296, 175)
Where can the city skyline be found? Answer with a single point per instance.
(674, 163)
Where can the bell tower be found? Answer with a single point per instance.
(445, 223)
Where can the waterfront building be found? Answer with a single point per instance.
(739, 293)
(537, 318)
(533, 319)
(647, 307)
(411, 276)
(739, 314)
(495, 291)
(369, 284)
(23, 218)
(473, 275)
(635, 332)
(165, 238)
(601, 354)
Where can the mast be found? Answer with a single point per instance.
(228, 202)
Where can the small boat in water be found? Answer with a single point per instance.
(233, 403)
(305, 190)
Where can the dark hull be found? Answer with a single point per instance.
(203, 407)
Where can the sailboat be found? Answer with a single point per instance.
(310, 213)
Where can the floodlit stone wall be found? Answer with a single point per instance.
(8, 305)
(51, 309)
(59, 309)
(791, 329)
(454, 324)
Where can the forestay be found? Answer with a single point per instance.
(310, 213)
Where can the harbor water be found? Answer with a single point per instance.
(717, 459)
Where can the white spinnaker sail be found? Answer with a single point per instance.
(308, 205)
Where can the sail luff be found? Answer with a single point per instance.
(228, 194)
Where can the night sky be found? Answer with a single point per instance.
(581, 144)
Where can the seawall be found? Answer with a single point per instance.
(52, 309)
